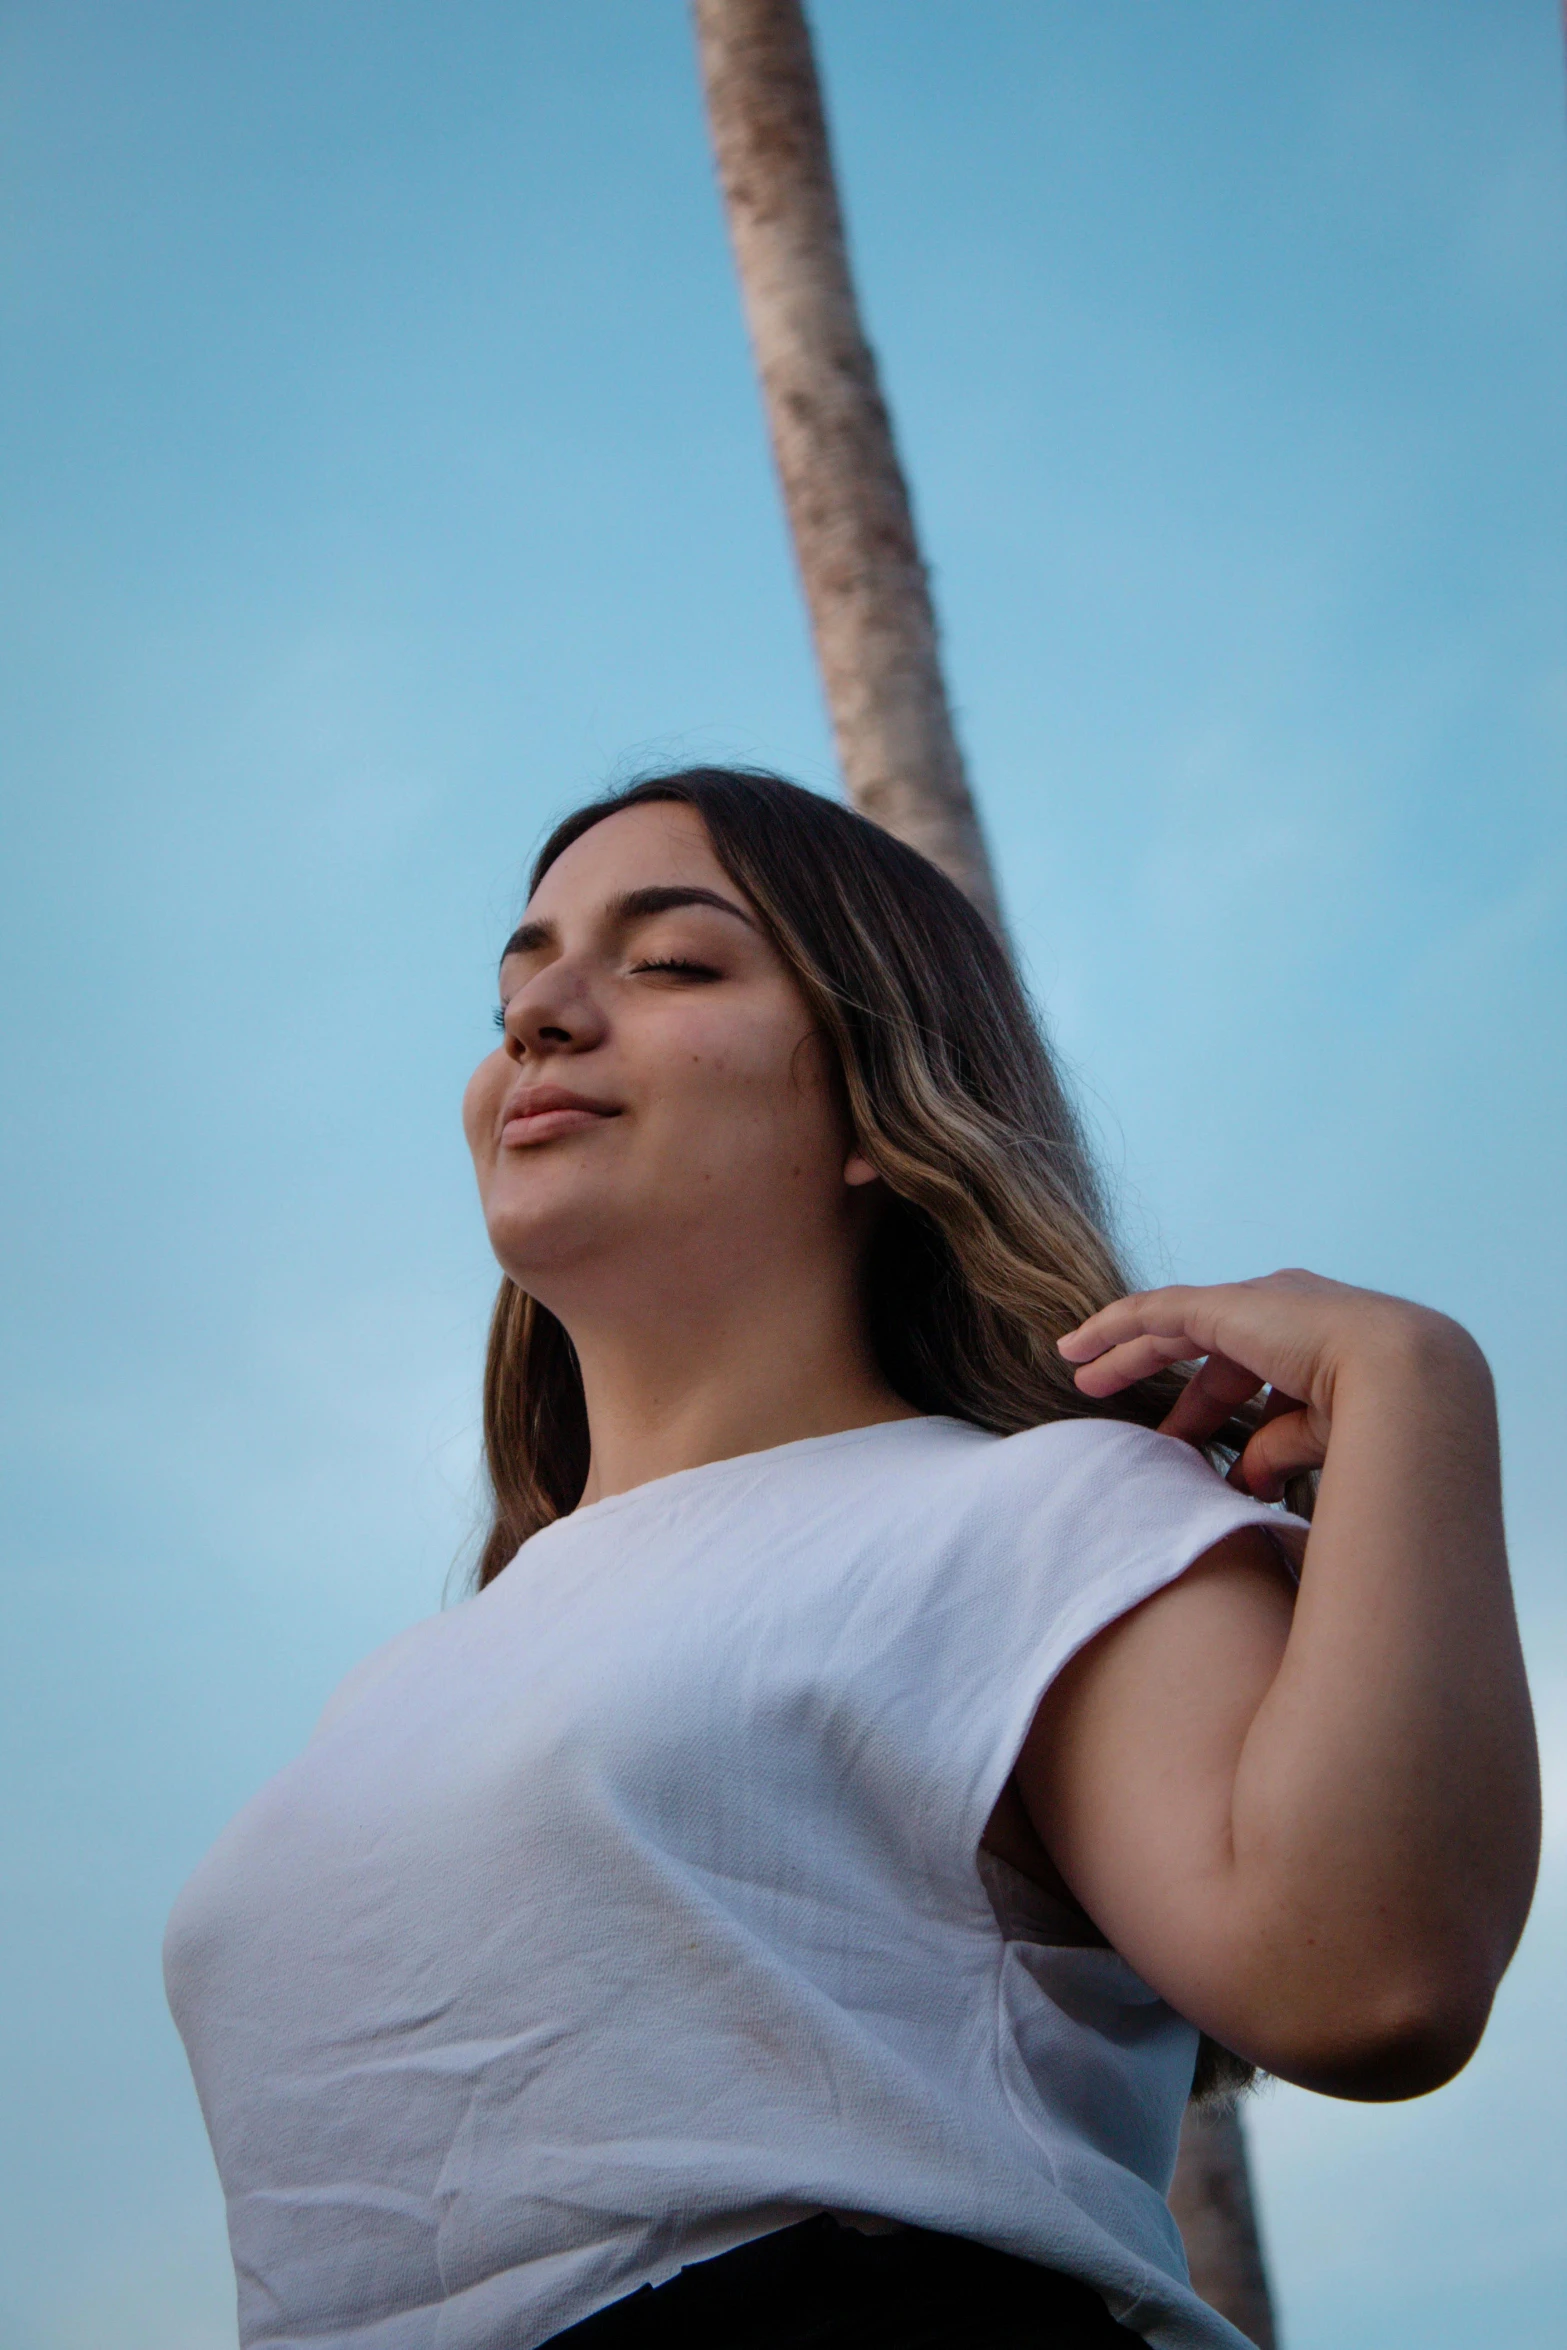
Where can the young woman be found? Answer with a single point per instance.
(884, 1760)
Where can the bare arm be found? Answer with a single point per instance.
(1314, 1830)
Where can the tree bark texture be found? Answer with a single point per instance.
(1213, 2208)
(844, 491)
(874, 624)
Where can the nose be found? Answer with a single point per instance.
(555, 1011)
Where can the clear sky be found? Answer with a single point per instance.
(383, 471)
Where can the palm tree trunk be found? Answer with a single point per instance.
(874, 624)
(847, 501)
(1212, 2202)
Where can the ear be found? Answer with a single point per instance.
(857, 1169)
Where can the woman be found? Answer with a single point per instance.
(787, 1902)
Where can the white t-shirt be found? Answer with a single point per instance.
(631, 1909)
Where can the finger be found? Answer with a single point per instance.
(1134, 1359)
(1251, 1322)
(1281, 1449)
(1158, 1312)
(1208, 1399)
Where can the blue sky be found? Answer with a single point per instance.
(383, 471)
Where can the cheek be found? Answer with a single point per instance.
(481, 1103)
(755, 1087)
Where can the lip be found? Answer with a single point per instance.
(538, 1113)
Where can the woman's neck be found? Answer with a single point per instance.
(719, 1380)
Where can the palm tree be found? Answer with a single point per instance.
(848, 504)
(874, 623)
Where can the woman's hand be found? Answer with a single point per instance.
(1292, 1333)
(1310, 1820)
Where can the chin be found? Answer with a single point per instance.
(533, 1238)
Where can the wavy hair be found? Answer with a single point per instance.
(994, 1236)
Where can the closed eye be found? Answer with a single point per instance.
(499, 1016)
(680, 965)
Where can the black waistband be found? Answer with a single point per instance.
(823, 2286)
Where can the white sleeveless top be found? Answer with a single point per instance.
(631, 1909)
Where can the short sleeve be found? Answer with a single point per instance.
(1082, 1521)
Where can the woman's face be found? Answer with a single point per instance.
(661, 1110)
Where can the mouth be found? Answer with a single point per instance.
(541, 1113)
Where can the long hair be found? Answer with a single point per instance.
(994, 1236)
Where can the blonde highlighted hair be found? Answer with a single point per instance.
(994, 1238)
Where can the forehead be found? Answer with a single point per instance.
(637, 848)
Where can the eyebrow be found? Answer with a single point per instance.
(634, 905)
